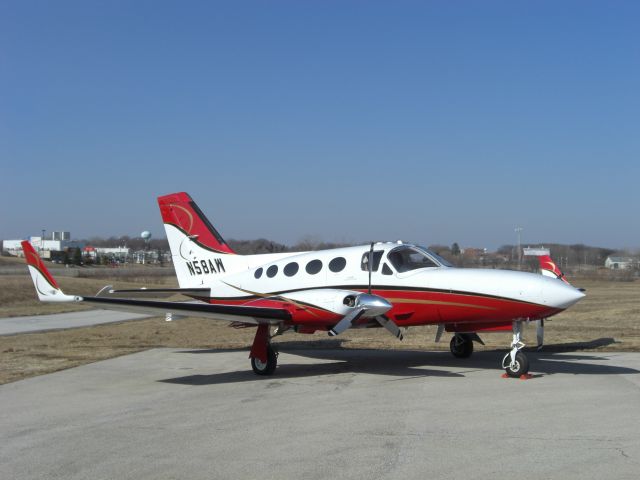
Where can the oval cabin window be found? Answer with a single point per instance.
(313, 267)
(337, 264)
(291, 269)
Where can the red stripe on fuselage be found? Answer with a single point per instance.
(415, 307)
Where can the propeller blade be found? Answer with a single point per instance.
(390, 325)
(346, 322)
(540, 332)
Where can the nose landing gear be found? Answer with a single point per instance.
(515, 363)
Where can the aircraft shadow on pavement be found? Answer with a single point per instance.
(541, 362)
(396, 364)
(411, 363)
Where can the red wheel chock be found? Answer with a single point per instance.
(526, 376)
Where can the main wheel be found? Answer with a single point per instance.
(520, 366)
(265, 368)
(461, 346)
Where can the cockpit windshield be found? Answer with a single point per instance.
(407, 258)
(442, 261)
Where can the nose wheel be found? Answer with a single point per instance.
(517, 368)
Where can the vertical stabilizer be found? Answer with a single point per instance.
(180, 211)
(549, 268)
(200, 254)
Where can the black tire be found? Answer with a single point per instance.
(461, 346)
(268, 368)
(521, 366)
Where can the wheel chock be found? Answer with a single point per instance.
(526, 376)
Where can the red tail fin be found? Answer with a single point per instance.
(550, 269)
(179, 210)
(35, 261)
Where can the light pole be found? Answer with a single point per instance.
(42, 241)
(518, 231)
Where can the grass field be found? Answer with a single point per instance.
(607, 319)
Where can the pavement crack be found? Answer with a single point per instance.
(627, 456)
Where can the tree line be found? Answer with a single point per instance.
(505, 256)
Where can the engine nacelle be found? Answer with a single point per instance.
(342, 301)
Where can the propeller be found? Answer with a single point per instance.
(367, 305)
(363, 304)
(540, 332)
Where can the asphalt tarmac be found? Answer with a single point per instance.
(343, 414)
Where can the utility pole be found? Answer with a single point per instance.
(518, 231)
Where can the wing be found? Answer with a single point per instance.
(231, 313)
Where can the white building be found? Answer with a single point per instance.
(619, 263)
(43, 246)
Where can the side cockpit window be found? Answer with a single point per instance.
(364, 263)
(407, 258)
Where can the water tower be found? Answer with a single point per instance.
(146, 236)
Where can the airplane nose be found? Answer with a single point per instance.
(560, 295)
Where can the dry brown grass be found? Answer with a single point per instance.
(607, 319)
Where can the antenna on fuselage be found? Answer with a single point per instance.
(370, 265)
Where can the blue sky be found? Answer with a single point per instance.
(433, 122)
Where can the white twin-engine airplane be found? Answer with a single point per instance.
(389, 285)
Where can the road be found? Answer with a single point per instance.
(347, 414)
(38, 323)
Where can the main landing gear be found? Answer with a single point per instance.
(461, 345)
(515, 363)
(264, 357)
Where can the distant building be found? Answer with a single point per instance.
(61, 236)
(471, 252)
(619, 263)
(43, 246)
(120, 253)
(535, 251)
